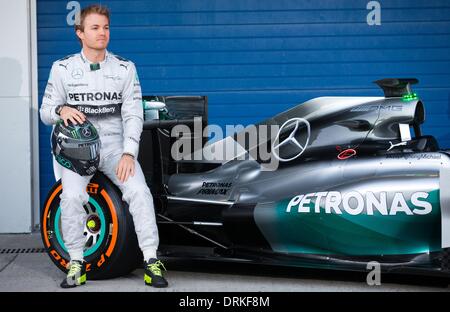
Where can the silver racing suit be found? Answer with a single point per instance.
(110, 97)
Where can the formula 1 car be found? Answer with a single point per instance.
(355, 181)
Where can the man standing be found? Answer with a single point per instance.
(105, 88)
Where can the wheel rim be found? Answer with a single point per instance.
(94, 227)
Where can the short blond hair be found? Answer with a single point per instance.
(91, 9)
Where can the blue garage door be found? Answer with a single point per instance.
(255, 58)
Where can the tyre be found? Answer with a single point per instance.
(111, 248)
(445, 260)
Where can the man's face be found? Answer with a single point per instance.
(96, 32)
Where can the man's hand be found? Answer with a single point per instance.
(69, 113)
(125, 168)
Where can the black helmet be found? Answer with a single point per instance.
(76, 147)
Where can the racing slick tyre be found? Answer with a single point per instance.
(111, 248)
(445, 260)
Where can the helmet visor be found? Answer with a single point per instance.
(83, 151)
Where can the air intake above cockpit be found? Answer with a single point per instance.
(397, 87)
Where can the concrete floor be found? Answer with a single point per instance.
(36, 272)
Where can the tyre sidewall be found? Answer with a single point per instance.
(118, 254)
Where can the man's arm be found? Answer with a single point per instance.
(54, 95)
(132, 112)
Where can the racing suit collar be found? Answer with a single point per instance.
(88, 63)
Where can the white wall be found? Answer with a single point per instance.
(16, 140)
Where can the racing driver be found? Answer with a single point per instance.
(105, 88)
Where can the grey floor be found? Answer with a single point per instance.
(36, 272)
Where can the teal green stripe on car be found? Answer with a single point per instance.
(346, 234)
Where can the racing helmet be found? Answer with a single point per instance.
(76, 147)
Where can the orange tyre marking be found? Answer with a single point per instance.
(55, 255)
(114, 220)
(44, 219)
(111, 208)
(101, 261)
(92, 188)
